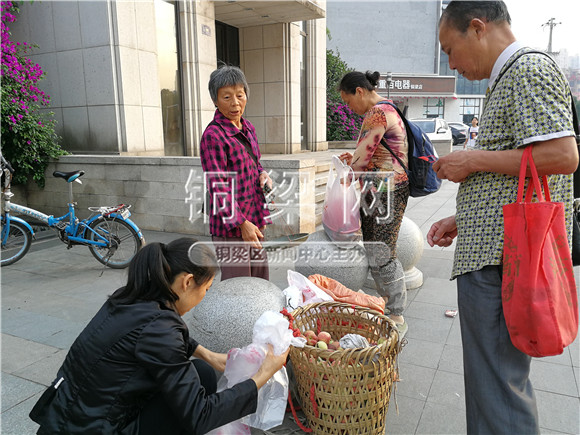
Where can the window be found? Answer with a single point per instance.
(166, 14)
(426, 126)
(434, 108)
(469, 109)
(227, 41)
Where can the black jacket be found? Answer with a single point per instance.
(125, 356)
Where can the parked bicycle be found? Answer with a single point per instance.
(110, 235)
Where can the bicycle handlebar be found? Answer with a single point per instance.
(7, 165)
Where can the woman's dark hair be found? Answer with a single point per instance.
(459, 13)
(154, 268)
(356, 79)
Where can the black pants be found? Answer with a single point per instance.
(157, 418)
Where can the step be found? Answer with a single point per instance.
(323, 166)
(321, 180)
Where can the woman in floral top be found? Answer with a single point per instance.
(384, 185)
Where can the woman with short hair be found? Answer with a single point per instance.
(230, 157)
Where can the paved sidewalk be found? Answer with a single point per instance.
(49, 296)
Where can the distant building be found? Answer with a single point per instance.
(571, 67)
(402, 38)
(573, 76)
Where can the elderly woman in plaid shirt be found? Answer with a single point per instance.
(230, 157)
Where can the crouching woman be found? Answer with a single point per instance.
(130, 372)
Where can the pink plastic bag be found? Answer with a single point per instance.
(341, 215)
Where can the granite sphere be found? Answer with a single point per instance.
(225, 318)
(344, 262)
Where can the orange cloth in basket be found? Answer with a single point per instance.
(341, 293)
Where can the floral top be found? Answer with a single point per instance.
(530, 104)
(372, 157)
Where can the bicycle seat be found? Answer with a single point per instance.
(68, 176)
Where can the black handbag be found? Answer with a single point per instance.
(44, 401)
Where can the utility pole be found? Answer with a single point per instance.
(552, 24)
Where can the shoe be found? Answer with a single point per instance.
(402, 328)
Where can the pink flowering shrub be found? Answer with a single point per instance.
(341, 122)
(28, 137)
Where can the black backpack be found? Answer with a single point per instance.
(421, 156)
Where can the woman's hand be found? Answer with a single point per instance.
(251, 234)
(265, 180)
(214, 359)
(271, 365)
(442, 232)
(346, 158)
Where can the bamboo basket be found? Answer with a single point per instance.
(345, 391)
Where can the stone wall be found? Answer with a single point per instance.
(166, 193)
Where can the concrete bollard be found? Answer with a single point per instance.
(225, 318)
(321, 255)
(410, 246)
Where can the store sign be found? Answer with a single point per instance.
(418, 84)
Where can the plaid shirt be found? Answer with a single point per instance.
(229, 168)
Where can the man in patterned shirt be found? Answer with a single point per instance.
(528, 106)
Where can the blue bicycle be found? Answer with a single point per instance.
(110, 235)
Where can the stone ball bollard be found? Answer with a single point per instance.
(409, 251)
(321, 255)
(410, 246)
(225, 318)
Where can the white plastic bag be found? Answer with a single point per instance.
(272, 400)
(341, 213)
(243, 363)
(233, 428)
(270, 328)
(293, 297)
(308, 292)
(353, 341)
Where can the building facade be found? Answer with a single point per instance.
(400, 39)
(130, 77)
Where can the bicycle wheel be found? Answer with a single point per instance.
(124, 242)
(17, 244)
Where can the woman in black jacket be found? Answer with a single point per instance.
(130, 372)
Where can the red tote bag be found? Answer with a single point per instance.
(539, 295)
